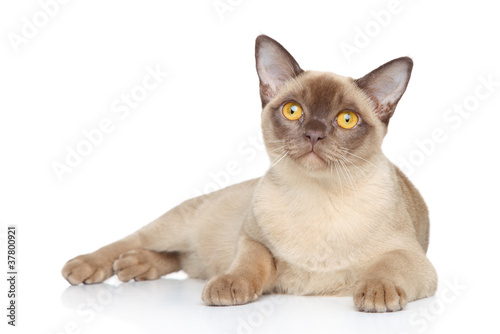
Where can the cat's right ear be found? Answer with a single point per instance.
(275, 66)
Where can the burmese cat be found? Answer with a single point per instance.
(332, 216)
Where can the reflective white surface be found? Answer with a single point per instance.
(171, 305)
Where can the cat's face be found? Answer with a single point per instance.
(319, 120)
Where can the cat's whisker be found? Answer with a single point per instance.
(356, 156)
(277, 157)
(348, 172)
(276, 160)
(342, 171)
(351, 182)
(340, 182)
(329, 163)
(278, 148)
(284, 155)
(352, 163)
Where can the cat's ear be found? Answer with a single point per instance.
(275, 66)
(386, 85)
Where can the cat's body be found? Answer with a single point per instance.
(326, 265)
(332, 216)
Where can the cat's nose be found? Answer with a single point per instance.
(314, 136)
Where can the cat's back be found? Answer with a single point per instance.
(416, 208)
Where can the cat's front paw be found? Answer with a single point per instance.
(87, 269)
(140, 265)
(378, 295)
(231, 290)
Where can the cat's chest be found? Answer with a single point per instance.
(316, 230)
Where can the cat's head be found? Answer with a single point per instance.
(318, 119)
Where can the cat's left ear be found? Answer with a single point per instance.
(385, 85)
(275, 66)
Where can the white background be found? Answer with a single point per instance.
(64, 79)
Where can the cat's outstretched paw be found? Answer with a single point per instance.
(142, 265)
(378, 295)
(230, 290)
(87, 269)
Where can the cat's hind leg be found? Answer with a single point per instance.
(142, 264)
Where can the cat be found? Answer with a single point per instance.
(331, 216)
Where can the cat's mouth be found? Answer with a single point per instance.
(313, 160)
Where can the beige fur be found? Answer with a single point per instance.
(305, 227)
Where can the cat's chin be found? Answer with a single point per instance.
(312, 161)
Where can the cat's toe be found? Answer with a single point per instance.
(379, 295)
(86, 269)
(230, 290)
(137, 265)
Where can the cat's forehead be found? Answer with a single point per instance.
(323, 91)
(325, 82)
(327, 86)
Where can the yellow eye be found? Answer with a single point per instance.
(292, 111)
(347, 119)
